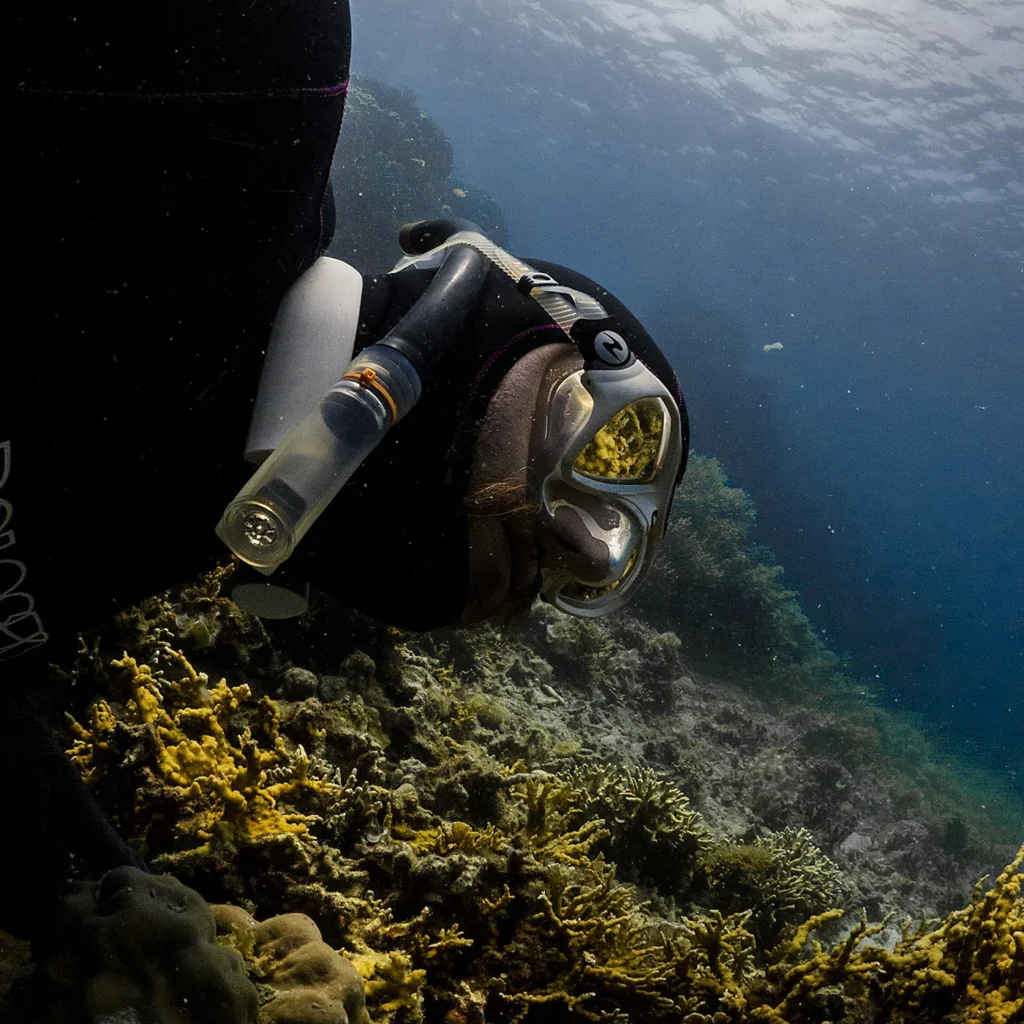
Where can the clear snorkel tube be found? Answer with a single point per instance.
(298, 480)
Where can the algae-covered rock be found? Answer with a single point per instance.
(143, 945)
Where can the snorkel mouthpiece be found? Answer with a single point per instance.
(298, 480)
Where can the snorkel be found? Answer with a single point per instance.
(317, 457)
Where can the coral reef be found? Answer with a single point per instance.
(653, 835)
(304, 980)
(782, 879)
(552, 821)
(208, 789)
(430, 815)
(720, 591)
(653, 817)
(969, 968)
(393, 165)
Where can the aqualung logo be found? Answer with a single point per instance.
(611, 348)
(20, 625)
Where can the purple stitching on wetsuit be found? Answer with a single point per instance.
(297, 92)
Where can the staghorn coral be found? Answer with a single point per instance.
(220, 790)
(783, 879)
(818, 987)
(968, 970)
(393, 986)
(592, 953)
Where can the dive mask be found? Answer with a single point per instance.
(613, 434)
(614, 439)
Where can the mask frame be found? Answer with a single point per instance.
(640, 505)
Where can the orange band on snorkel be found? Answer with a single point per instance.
(369, 379)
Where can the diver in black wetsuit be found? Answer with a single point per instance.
(169, 208)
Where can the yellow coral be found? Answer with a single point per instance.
(974, 961)
(392, 986)
(798, 977)
(227, 782)
(457, 837)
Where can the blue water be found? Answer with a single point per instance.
(848, 181)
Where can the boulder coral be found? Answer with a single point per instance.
(308, 981)
(134, 946)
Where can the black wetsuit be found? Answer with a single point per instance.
(166, 170)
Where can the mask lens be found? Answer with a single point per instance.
(629, 448)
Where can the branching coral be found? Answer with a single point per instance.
(222, 791)
(393, 986)
(968, 970)
(783, 879)
(592, 952)
(653, 835)
(972, 964)
(808, 988)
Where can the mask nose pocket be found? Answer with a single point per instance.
(593, 541)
